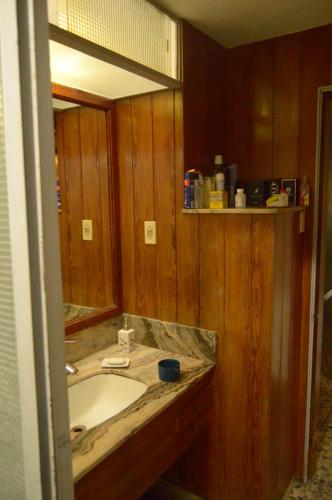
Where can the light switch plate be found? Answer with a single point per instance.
(87, 229)
(150, 237)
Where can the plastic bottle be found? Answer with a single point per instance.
(219, 173)
(283, 198)
(304, 192)
(240, 198)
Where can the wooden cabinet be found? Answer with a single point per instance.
(140, 461)
(254, 263)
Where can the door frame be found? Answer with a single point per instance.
(314, 344)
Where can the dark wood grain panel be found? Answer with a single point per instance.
(127, 229)
(286, 106)
(261, 110)
(275, 463)
(237, 102)
(258, 355)
(63, 222)
(145, 255)
(212, 271)
(203, 89)
(235, 344)
(187, 250)
(164, 204)
(314, 72)
(91, 197)
(110, 273)
(72, 153)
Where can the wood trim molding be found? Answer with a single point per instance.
(91, 319)
(80, 97)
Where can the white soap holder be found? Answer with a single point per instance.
(115, 362)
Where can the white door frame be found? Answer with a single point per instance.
(29, 141)
(320, 95)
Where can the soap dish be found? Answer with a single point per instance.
(115, 362)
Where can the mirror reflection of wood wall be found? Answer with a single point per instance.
(83, 169)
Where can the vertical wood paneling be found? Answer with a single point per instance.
(258, 356)
(212, 275)
(237, 104)
(104, 181)
(72, 154)
(203, 112)
(288, 362)
(63, 222)
(261, 110)
(314, 72)
(127, 229)
(91, 197)
(85, 194)
(187, 250)
(235, 345)
(164, 204)
(286, 106)
(276, 348)
(145, 255)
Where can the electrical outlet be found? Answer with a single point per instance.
(87, 229)
(150, 232)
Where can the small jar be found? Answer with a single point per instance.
(240, 198)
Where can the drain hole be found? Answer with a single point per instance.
(78, 428)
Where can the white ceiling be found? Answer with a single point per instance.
(238, 22)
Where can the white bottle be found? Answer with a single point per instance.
(283, 198)
(126, 338)
(240, 198)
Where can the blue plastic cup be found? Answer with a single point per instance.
(169, 370)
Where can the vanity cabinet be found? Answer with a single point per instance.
(139, 462)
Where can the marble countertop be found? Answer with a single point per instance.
(92, 446)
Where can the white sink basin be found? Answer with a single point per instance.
(95, 399)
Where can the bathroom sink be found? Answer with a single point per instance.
(98, 398)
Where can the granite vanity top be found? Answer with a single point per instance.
(92, 446)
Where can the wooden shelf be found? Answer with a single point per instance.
(261, 211)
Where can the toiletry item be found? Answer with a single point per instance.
(218, 199)
(255, 193)
(198, 190)
(219, 173)
(188, 189)
(283, 198)
(209, 185)
(240, 198)
(292, 188)
(304, 192)
(273, 201)
(115, 362)
(232, 180)
(169, 370)
(126, 338)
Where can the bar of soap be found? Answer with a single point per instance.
(115, 362)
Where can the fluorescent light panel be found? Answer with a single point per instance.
(73, 68)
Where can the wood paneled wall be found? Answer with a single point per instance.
(266, 122)
(203, 92)
(271, 110)
(83, 159)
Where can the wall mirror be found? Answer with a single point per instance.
(87, 195)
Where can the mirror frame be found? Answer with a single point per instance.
(86, 99)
